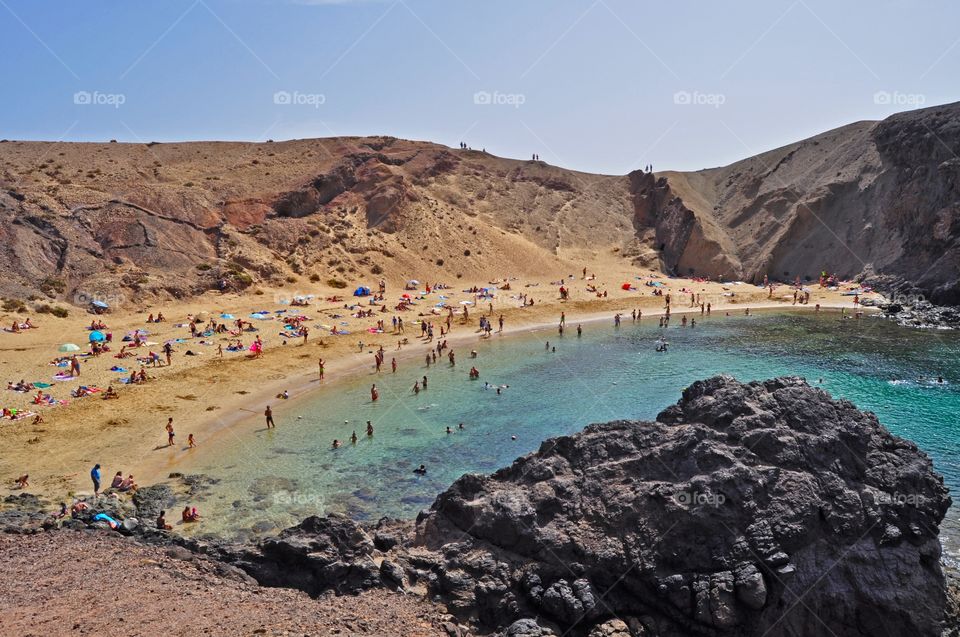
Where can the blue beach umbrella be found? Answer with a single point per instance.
(97, 337)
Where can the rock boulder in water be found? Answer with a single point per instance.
(764, 508)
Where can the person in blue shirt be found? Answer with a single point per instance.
(95, 476)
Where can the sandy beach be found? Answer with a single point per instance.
(208, 396)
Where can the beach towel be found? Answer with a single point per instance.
(62, 377)
(121, 370)
(40, 385)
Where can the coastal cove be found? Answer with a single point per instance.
(268, 480)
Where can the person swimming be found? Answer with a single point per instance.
(421, 470)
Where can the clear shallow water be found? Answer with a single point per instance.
(274, 478)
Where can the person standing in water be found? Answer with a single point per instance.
(268, 417)
(374, 394)
(369, 429)
(321, 369)
(579, 330)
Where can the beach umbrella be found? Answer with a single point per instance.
(69, 347)
(97, 337)
(99, 304)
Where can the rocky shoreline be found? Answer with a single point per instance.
(762, 508)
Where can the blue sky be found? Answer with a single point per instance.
(597, 85)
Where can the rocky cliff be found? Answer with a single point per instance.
(756, 509)
(878, 199)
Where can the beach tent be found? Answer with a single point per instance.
(69, 347)
(97, 337)
(99, 304)
(362, 291)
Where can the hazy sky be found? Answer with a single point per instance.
(602, 86)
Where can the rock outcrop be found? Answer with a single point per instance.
(764, 508)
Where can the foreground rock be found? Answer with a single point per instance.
(760, 509)
(745, 509)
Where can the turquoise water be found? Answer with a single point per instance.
(274, 478)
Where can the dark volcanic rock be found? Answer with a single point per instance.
(319, 554)
(746, 509)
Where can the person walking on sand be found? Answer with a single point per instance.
(74, 366)
(168, 351)
(321, 369)
(268, 417)
(191, 443)
(170, 433)
(95, 478)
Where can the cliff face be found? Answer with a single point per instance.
(754, 509)
(172, 220)
(874, 198)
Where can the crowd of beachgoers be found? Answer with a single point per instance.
(149, 358)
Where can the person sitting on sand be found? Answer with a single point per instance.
(23, 481)
(162, 522)
(117, 480)
(111, 393)
(190, 514)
